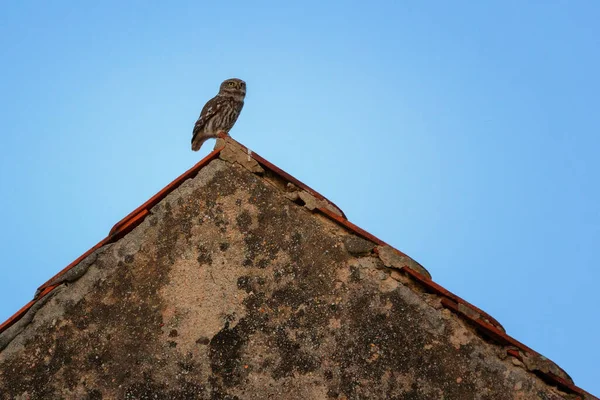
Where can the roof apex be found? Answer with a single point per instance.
(231, 151)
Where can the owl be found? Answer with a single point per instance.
(219, 113)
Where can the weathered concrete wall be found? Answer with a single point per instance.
(229, 290)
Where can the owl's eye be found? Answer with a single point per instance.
(231, 84)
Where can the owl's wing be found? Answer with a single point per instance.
(208, 111)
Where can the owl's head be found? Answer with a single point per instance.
(233, 87)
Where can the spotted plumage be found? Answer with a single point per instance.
(219, 113)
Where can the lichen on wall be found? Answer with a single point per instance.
(229, 290)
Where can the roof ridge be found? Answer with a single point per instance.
(486, 325)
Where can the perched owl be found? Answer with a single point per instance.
(220, 113)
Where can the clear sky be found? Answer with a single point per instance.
(464, 133)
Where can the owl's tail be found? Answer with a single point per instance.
(198, 140)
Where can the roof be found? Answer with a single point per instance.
(484, 324)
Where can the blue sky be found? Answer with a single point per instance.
(465, 134)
